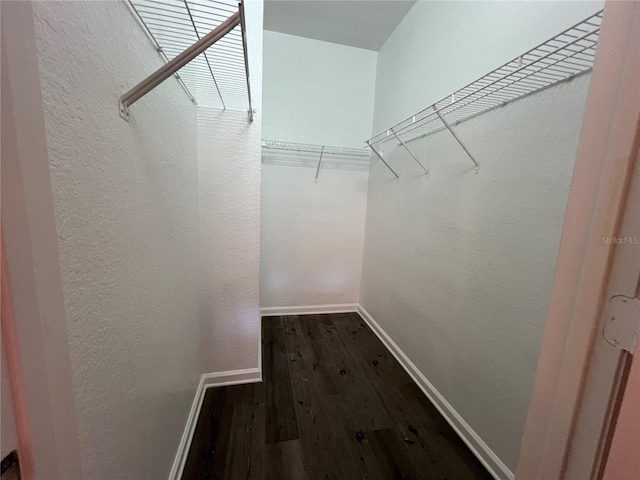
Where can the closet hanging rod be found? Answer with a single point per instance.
(188, 55)
(561, 58)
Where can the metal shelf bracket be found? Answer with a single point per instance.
(319, 162)
(383, 160)
(622, 326)
(426, 170)
(246, 57)
(457, 139)
(124, 110)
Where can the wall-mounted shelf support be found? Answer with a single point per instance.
(457, 139)
(319, 162)
(246, 57)
(426, 170)
(170, 68)
(383, 160)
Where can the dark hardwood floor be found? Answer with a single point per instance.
(334, 404)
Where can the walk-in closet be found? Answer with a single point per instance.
(295, 240)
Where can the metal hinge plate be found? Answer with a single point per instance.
(622, 326)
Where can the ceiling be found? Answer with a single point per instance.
(357, 23)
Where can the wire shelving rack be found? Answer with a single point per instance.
(218, 77)
(559, 59)
(313, 155)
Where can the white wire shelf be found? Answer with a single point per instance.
(311, 148)
(559, 59)
(217, 77)
(316, 156)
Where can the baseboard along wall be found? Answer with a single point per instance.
(207, 380)
(309, 309)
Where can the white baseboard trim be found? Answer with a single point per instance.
(207, 380)
(309, 309)
(187, 435)
(232, 377)
(480, 449)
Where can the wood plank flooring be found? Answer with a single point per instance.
(334, 404)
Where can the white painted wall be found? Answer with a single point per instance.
(312, 236)
(312, 233)
(229, 209)
(317, 92)
(125, 197)
(458, 269)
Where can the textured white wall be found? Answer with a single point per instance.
(458, 269)
(229, 194)
(312, 233)
(125, 197)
